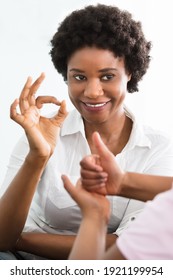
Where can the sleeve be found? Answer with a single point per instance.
(150, 236)
(16, 160)
(160, 158)
(159, 161)
(134, 207)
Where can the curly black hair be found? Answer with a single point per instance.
(106, 27)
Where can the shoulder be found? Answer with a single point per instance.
(157, 137)
(145, 135)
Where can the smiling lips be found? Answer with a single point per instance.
(95, 106)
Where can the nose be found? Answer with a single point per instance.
(93, 89)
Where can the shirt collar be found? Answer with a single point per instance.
(74, 124)
(138, 136)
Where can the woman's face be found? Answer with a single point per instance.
(97, 83)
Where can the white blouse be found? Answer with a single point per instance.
(53, 210)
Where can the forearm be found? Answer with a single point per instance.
(143, 186)
(53, 246)
(49, 246)
(15, 203)
(90, 242)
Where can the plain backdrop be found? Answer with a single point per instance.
(26, 28)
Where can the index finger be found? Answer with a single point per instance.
(41, 100)
(26, 97)
(34, 87)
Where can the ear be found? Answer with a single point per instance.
(129, 77)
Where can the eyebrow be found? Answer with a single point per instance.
(76, 70)
(107, 69)
(101, 70)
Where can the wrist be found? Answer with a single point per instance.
(20, 243)
(124, 184)
(36, 159)
(98, 223)
(16, 246)
(131, 186)
(98, 218)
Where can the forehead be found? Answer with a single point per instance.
(93, 57)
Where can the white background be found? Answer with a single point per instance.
(26, 27)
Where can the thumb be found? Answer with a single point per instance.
(62, 113)
(62, 110)
(70, 188)
(100, 147)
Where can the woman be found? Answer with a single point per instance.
(102, 54)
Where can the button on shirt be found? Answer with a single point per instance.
(53, 210)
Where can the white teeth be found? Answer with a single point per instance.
(95, 105)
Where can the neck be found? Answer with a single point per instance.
(114, 134)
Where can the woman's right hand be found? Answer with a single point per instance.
(42, 132)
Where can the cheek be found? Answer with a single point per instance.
(73, 95)
(71, 91)
(74, 91)
(121, 89)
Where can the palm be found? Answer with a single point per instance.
(49, 130)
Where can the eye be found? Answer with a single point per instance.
(107, 77)
(79, 77)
